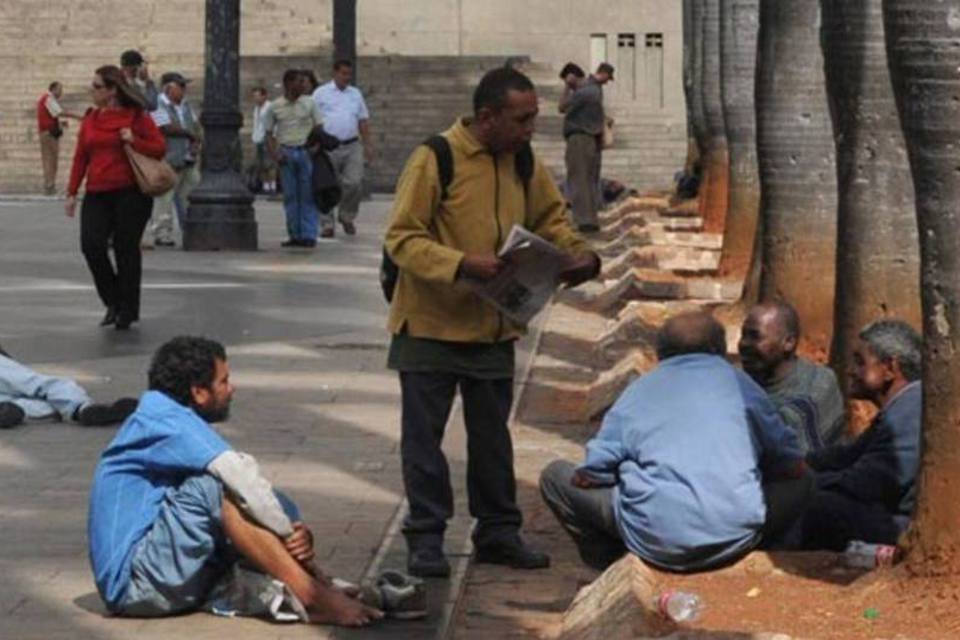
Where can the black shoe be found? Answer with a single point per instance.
(99, 415)
(124, 320)
(166, 243)
(290, 243)
(110, 318)
(428, 562)
(11, 415)
(349, 228)
(514, 554)
(308, 244)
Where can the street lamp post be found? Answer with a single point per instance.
(220, 215)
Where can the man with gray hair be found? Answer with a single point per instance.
(692, 467)
(867, 490)
(805, 393)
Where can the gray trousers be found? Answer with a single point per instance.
(583, 157)
(347, 161)
(160, 228)
(587, 514)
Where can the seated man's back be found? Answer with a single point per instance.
(688, 442)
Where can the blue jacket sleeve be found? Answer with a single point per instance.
(605, 451)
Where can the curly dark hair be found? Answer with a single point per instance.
(182, 363)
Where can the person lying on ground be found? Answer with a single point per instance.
(179, 521)
(867, 490)
(26, 394)
(692, 467)
(806, 394)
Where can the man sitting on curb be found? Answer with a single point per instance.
(176, 514)
(24, 394)
(806, 394)
(867, 490)
(692, 467)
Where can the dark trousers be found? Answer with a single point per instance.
(587, 514)
(491, 486)
(832, 520)
(121, 216)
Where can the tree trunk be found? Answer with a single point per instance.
(716, 161)
(923, 47)
(877, 248)
(739, 22)
(798, 195)
(689, 35)
(699, 119)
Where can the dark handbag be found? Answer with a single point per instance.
(56, 131)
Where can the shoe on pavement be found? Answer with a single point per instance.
(349, 228)
(290, 243)
(109, 318)
(514, 554)
(399, 596)
(11, 415)
(328, 232)
(99, 415)
(428, 562)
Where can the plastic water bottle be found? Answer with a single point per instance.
(679, 606)
(866, 555)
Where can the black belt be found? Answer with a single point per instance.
(350, 141)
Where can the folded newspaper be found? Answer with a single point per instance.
(529, 277)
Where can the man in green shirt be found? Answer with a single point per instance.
(445, 337)
(806, 394)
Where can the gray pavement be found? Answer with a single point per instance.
(305, 339)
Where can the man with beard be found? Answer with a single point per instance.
(179, 521)
(806, 394)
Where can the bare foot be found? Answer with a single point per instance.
(333, 607)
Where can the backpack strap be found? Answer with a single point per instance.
(441, 149)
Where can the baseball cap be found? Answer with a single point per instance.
(131, 58)
(173, 76)
(606, 67)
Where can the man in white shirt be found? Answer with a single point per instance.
(263, 164)
(345, 117)
(181, 129)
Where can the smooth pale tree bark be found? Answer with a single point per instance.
(798, 183)
(739, 24)
(878, 256)
(923, 48)
(716, 159)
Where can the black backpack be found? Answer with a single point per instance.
(523, 165)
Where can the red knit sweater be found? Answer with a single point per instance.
(100, 156)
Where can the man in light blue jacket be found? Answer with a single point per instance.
(692, 468)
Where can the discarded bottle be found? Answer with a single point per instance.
(679, 606)
(866, 555)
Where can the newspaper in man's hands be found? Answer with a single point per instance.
(528, 278)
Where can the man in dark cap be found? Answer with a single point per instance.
(135, 69)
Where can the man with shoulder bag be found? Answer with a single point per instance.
(180, 126)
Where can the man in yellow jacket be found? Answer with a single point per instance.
(445, 336)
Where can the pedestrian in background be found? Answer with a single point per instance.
(345, 117)
(288, 122)
(180, 127)
(50, 126)
(138, 75)
(263, 168)
(114, 209)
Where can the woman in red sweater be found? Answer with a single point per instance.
(113, 206)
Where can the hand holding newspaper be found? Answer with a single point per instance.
(529, 277)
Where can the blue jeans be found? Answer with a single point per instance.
(296, 173)
(40, 396)
(186, 552)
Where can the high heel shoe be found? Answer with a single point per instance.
(110, 318)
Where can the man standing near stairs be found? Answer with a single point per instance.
(582, 106)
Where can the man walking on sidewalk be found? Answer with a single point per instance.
(50, 129)
(345, 117)
(289, 121)
(181, 130)
(582, 106)
(442, 235)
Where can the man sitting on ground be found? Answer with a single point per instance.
(692, 467)
(24, 393)
(806, 394)
(867, 490)
(176, 513)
